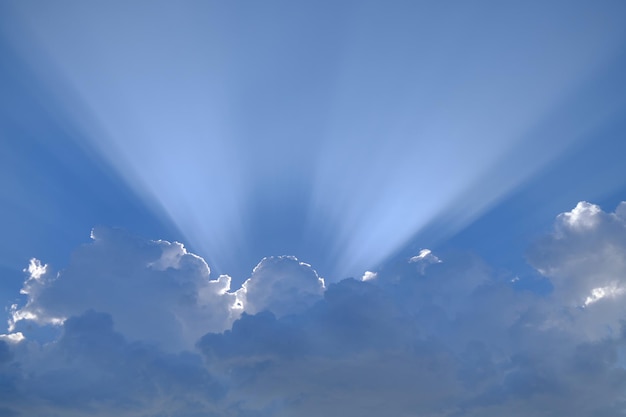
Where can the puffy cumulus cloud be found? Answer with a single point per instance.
(433, 335)
(369, 275)
(282, 285)
(585, 259)
(155, 290)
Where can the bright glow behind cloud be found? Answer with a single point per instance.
(375, 124)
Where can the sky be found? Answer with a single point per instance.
(277, 208)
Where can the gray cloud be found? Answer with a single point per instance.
(438, 338)
(93, 370)
(155, 291)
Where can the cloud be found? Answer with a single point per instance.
(423, 259)
(584, 259)
(93, 370)
(282, 285)
(432, 335)
(368, 276)
(155, 291)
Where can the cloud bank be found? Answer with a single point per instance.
(133, 327)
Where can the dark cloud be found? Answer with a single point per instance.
(94, 370)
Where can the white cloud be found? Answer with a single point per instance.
(424, 259)
(282, 285)
(368, 276)
(36, 270)
(584, 260)
(155, 290)
(584, 216)
(12, 337)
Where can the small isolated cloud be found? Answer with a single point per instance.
(423, 259)
(450, 339)
(368, 276)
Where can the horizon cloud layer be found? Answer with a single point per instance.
(136, 327)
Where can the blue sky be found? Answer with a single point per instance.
(317, 141)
